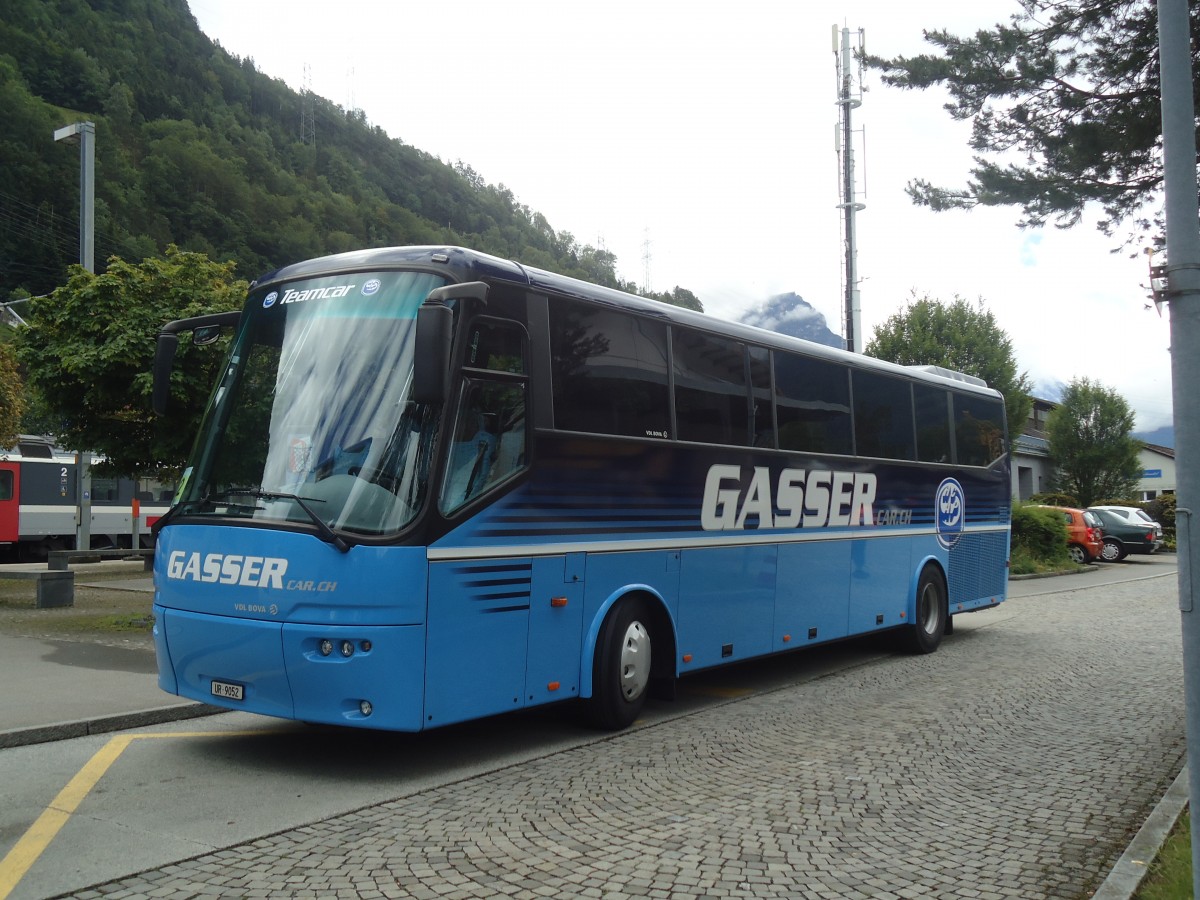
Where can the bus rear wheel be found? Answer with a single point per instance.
(621, 670)
(929, 621)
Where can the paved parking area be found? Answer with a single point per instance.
(1014, 763)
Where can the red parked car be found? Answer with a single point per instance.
(1085, 535)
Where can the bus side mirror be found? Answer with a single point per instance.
(434, 339)
(205, 330)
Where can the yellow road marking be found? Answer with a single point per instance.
(35, 841)
(42, 832)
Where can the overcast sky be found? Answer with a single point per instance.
(707, 132)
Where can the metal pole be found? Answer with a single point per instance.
(1183, 297)
(86, 132)
(87, 195)
(847, 101)
(83, 506)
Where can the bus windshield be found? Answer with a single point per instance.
(311, 422)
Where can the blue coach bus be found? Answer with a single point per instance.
(433, 485)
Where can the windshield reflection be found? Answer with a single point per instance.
(314, 405)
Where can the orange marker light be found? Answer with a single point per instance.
(553, 686)
(687, 657)
(787, 638)
(558, 602)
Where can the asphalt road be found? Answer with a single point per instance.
(1015, 762)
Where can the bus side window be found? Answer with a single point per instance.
(488, 443)
(609, 371)
(883, 416)
(812, 404)
(933, 423)
(711, 396)
(6, 484)
(978, 430)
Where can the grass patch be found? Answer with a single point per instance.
(1170, 875)
(1024, 562)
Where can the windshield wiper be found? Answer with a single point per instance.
(324, 532)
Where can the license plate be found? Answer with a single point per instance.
(228, 691)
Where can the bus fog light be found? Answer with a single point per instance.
(347, 648)
(365, 707)
(326, 647)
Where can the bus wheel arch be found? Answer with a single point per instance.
(931, 611)
(631, 659)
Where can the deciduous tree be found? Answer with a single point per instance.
(962, 336)
(12, 397)
(89, 347)
(1091, 443)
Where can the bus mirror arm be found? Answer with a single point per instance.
(434, 338)
(206, 329)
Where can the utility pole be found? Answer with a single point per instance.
(646, 263)
(86, 133)
(308, 116)
(849, 99)
(1183, 296)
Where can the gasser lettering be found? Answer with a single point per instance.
(214, 568)
(799, 498)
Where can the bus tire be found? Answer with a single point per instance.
(621, 668)
(931, 613)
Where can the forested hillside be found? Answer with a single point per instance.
(197, 148)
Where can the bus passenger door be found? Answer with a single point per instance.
(555, 629)
(10, 502)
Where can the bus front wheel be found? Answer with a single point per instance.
(621, 670)
(929, 621)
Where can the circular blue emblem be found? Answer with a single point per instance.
(371, 287)
(269, 300)
(950, 512)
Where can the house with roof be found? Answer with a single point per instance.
(1032, 472)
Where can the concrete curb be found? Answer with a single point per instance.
(1048, 575)
(40, 734)
(1126, 876)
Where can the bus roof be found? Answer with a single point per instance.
(464, 264)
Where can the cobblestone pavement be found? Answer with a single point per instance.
(1016, 762)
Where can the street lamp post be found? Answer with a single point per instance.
(86, 133)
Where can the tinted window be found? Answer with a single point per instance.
(105, 490)
(35, 449)
(609, 371)
(812, 404)
(932, 407)
(762, 414)
(978, 429)
(6, 484)
(496, 345)
(711, 401)
(883, 416)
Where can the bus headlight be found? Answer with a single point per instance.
(326, 647)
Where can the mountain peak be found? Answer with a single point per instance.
(794, 316)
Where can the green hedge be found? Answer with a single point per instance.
(1039, 535)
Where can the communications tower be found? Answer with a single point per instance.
(849, 98)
